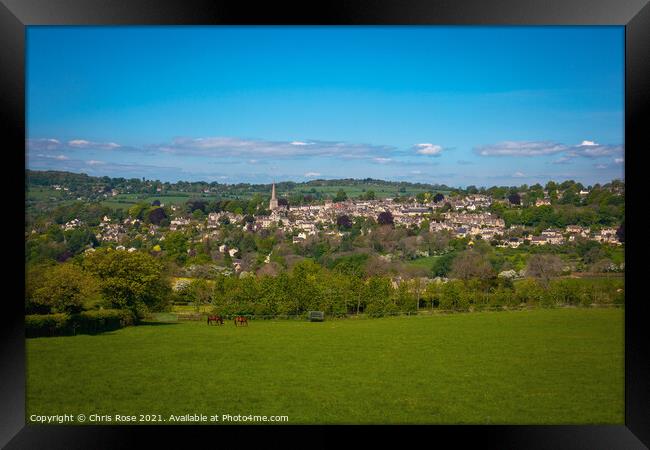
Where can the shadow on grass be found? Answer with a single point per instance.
(154, 323)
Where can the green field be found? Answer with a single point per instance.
(557, 366)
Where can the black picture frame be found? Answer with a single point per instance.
(15, 15)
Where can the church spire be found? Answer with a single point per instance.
(273, 204)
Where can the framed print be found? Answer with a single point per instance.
(412, 215)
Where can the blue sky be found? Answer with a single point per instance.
(456, 105)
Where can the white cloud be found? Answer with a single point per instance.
(299, 143)
(587, 144)
(518, 174)
(94, 162)
(382, 160)
(82, 143)
(520, 148)
(619, 160)
(78, 143)
(600, 166)
(428, 149)
(312, 174)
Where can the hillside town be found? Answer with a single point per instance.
(464, 217)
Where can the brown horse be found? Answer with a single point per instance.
(241, 321)
(218, 320)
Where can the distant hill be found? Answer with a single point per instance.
(50, 177)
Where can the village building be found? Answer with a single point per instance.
(179, 222)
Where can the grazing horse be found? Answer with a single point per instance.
(218, 320)
(241, 321)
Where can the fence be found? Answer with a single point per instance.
(182, 316)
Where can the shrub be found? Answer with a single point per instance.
(529, 292)
(454, 296)
(98, 321)
(86, 322)
(37, 325)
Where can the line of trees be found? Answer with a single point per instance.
(308, 286)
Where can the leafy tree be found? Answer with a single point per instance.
(471, 264)
(544, 267)
(344, 222)
(442, 265)
(200, 292)
(452, 295)
(156, 215)
(135, 281)
(353, 265)
(66, 288)
(194, 204)
(54, 233)
(176, 245)
(596, 253)
(514, 198)
(341, 196)
(139, 210)
(385, 218)
(77, 239)
(377, 297)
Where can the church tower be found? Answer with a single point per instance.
(273, 204)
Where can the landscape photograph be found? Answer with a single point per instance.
(270, 225)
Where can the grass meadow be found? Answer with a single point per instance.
(542, 366)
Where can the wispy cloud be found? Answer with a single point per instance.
(59, 157)
(591, 149)
(48, 144)
(562, 160)
(587, 149)
(312, 174)
(219, 147)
